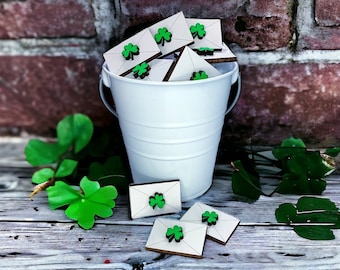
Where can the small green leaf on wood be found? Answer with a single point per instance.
(198, 30)
(199, 75)
(129, 51)
(163, 35)
(83, 205)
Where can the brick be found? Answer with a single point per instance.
(254, 25)
(327, 12)
(44, 18)
(321, 38)
(278, 101)
(37, 91)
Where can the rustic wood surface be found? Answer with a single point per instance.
(34, 237)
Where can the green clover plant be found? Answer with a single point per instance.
(67, 160)
(301, 171)
(163, 35)
(84, 204)
(205, 51)
(312, 218)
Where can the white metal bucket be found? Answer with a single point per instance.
(171, 130)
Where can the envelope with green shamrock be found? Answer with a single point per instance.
(171, 33)
(220, 225)
(153, 199)
(126, 55)
(177, 237)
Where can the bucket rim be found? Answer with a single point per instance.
(174, 83)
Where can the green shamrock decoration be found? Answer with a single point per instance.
(141, 70)
(197, 31)
(163, 35)
(205, 51)
(175, 233)
(210, 217)
(129, 51)
(157, 200)
(83, 205)
(200, 75)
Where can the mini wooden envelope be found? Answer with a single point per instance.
(225, 55)
(189, 62)
(221, 231)
(140, 194)
(213, 36)
(191, 245)
(148, 49)
(177, 26)
(159, 68)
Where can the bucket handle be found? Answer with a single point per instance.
(103, 98)
(114, 112)
(232, 105)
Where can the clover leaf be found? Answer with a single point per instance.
(197, 30)
(244, 182)
(163, 35)
(141, 70)
(83, 205)
(320, 216)
(175, 232)
(76, 130)
(157, 200)
(205, 51)
(129, 51)
(210, 217)
(200, 75)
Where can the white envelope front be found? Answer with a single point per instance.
(140, 194)
(213, 36)
(148, 49)
(177, 26)
(159, 68)
(191, 244)
(224, 227)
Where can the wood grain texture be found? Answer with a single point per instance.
(34, 237)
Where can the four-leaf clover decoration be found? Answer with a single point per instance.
(163, 35)
(199, 75)
(129, 51)
(176, 233)
(197, 30)
(210, 217)
(157, 200)
(141, 70)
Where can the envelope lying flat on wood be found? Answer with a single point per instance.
(224, 225)
(190, 244)
(154, 199)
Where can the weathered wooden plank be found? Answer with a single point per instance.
(64, 246)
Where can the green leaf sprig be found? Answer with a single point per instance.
(312, 218)
(302, 171)
(129, 51)
(58, 165)
(199, 75)
(198, 30)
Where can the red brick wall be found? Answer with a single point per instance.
(289, 54)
